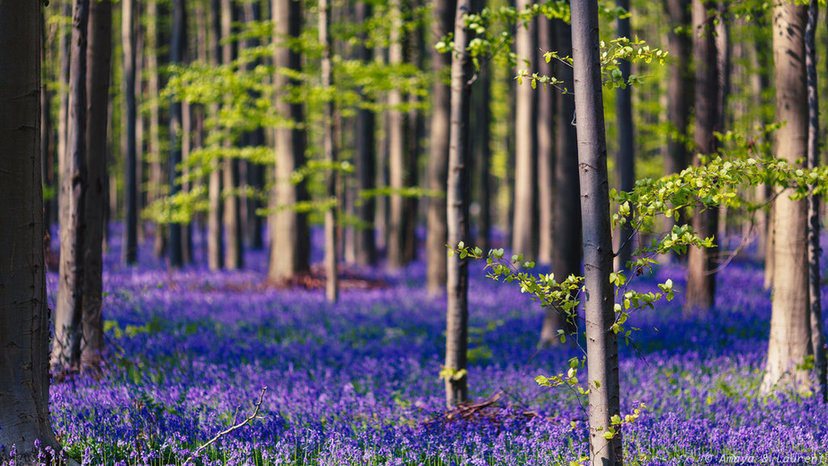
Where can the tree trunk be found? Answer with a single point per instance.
(815, 304)
(234, 251)
(625, 163)
(701, 262)
(567, 251)
(63, 112)
(130, 248)
(290, 244)
(436, 236)
(156, 178)
(99, 58)
(46, 146)
(215, 233)
(457, 201)
(790, 332)
(329, 148)
(66, 346)
(483, 155)
(366, 246)
(525, 224)
(396, 148)
(546, 97)
(602, 346)
(178, 49)
(255, 172)
(24, 316)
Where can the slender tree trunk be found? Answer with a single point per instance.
(24, 316)
(602, 347)
(701, 262)
(46, 148)
(178, 49)
(66, 346)
(153, 88)
(436, 236)
(815, 304)
(525, 224)
(567, 251)
(396, 148)
(215, 233)
(63, 112)
(290, 244)
(457, 215)
(329, 148)
(255, 171)
(366, 246)
(234, 251)
(790, 332)
(99, 58)
(545, 97)
(130, 249)
(484, 155)
(625, 163)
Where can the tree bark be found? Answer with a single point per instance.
(701, 262)
(525, 224)
(790, 332)
(178, 49)
(436, 236)
(602, 346)
(24, 316)
(457, 214)
(66, 346)
(290, 244)
(156, 177)
(329, 148)
(546, 97)
(567, 250)
(625, 163)
(63, 113)
(99, 59)
(234, 250)
(397, 166)
(130, 248)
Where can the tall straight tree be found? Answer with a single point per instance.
(215, 233)
(233, 251)
(329, 147)
(66, 346)
(24, 316)
(814, 203)
(701, 263)
(567, 253)
(457, 309)
(546, 96)
(442, 24)
(602, 346)
(525, 225)
(790, 332)
(290, 234)
(366, 246)
(178, 49)
(130, 249)
(99, 59)
(396, 121)
(625, 163)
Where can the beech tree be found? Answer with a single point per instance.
(602, 345)
(329, 148)
(178, 48)
(24, 316)
(625, 162)
(790, 331)
(130, 249)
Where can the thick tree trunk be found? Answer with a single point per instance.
(24, 316)
(436, 236)
(701, 262)
(290, 244)
(525, 224)
(178, 49)
(234, 251)
(814, 202)
(366, 246)
(546, 101)
(99, 59)
(457, 214)
(567, 252)
(130, 248)
(66, 346)
(790, 332)
(397, 166)
(625, 163)
(329, 148)
(602, 346)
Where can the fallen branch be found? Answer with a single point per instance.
(228, 430)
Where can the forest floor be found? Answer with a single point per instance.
(190, 352)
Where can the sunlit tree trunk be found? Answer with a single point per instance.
(99, 59)
(602, 347)
(64, 44)
(329, 147)
(701, 263)
(457, 201)
(790, 331)
(130, 248)
(66, 346)
(436, 252)
(290, 244)
(215, 234)
(396, 147)
(24, 316)
(233, 251)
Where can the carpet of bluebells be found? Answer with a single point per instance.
(357, 382)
